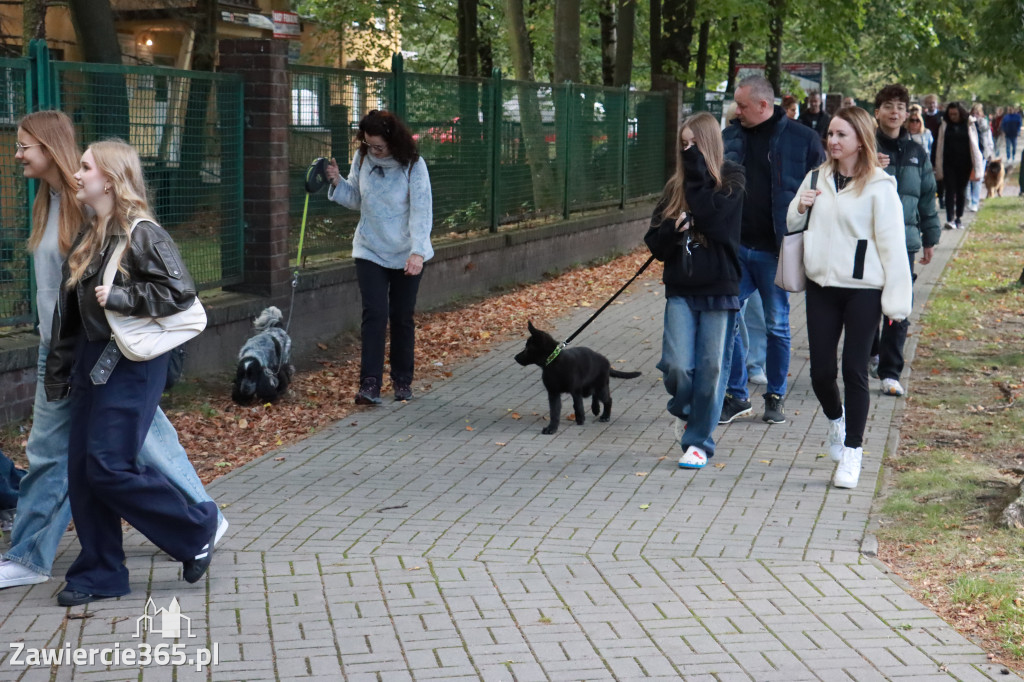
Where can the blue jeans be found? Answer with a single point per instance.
(751, 321)
(975, 191)
(758, 274)
(43, 508)
(694, 354)
(1011, 148)
(10, 482)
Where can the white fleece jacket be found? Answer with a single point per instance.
(857, 241)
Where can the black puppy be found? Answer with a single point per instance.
(579, 371)
(264, 367)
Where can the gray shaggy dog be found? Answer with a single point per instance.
(264, 369)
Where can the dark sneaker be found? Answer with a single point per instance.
(403, 392)
(774, 409)
(369, 392)
(734, 407)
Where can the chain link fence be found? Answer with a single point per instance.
(16, 299)
(187, 127)
(500, 152)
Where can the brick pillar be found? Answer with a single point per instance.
(263, 64)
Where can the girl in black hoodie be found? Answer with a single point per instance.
(695, 231)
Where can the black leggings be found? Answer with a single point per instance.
(830, 312)
(956, 180)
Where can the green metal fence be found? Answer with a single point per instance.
(326, 107)
(187, 127)
(17, 302)
(499, 152)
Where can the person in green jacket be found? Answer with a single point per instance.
(909, 163)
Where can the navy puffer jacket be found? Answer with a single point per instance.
(795, 150)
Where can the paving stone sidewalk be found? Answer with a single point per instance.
(447, 539)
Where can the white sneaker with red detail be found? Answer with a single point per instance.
(693, 458)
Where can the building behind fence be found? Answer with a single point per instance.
(500, 153)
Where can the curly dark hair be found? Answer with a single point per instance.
(394, 131)
(890, 93)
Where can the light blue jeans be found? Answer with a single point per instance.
(974, 190)
(751, 321)
(43, 508)
(696, 348)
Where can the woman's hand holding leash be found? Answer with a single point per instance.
(807, 198)
(414, 265)
(333, 175)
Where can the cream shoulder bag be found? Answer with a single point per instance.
(145, 338)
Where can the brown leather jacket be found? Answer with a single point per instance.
(157, 285)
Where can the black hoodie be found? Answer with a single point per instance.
(714, 235)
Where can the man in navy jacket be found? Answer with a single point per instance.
(777, 154)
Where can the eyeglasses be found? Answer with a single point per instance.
(19, 147)
(913, 120)
(378, 147)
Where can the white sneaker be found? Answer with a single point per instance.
(13, 574)
(892, 387)
(836, 436)
(950, 225)
(848, 471)
(693, 458)
(758, 379)
(222, 528)
(973, 208)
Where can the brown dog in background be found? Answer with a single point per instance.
(995, 178)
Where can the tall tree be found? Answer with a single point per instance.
(567, 41)
(677, 38)
(97, 35)
(33, 21)
(734, 55)
(106, 108)
(606, 17)
(532, 125)
(468, 40)
(656, 42)
(700, 80)
(773, 57)
(625, 31)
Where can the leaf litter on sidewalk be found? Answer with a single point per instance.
(219, 435)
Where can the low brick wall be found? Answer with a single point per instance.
(327, 300)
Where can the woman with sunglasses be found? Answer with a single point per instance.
(389, 185)
(918, 132)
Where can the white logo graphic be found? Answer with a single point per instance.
(170, 621)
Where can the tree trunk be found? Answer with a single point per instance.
(468, 38)
(608, 40)
(702, 54)
(678, 33)
(105, 111)
(625, 32)
(532, 125)
(657, 61)
(734, 55)
(567, 41)
(486, 52)
(773, 58)
(33, 22)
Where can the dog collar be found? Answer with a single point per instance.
(554, 354)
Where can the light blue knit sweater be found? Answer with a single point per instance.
(396, 209)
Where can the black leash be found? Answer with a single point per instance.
(600, 310)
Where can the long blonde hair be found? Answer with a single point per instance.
(120, 163)
(56, 133)
(867, 156)
(707, 136)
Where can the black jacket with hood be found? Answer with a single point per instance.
(714, 234)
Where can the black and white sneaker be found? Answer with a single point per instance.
(774, 408)
(733, 408)
(192, 570)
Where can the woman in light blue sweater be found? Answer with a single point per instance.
(390, 187)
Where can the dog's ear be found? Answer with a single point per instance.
(529, 325)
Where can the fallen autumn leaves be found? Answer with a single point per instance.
(219, 435)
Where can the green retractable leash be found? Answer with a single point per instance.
(316, 179)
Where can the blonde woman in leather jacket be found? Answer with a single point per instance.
(113, 399)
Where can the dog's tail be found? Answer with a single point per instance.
(623, 375)
(270, 317)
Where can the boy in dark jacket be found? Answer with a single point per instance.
(908, 162)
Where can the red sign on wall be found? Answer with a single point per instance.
(286, 24)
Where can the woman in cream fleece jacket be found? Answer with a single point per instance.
(855, 255)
